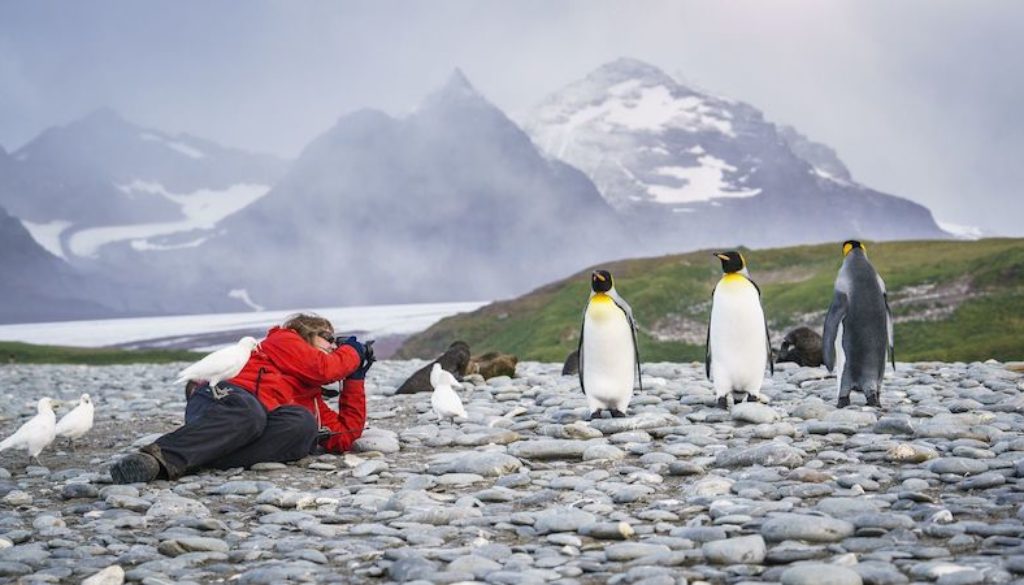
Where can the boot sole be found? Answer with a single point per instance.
(133, 470)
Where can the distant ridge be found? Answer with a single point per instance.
(953, 300)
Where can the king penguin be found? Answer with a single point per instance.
(608, 353)
(858, 328)
(738, 346)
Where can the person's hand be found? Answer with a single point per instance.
(366, 356)
(352, 342)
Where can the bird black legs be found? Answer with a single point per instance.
(722, 402)
(871, 395)
(843, 401)
(616, 413)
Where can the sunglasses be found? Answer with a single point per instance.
(328, 337)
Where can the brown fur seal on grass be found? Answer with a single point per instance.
(803, 346)
(454, 359)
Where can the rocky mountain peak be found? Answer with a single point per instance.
(456, 93)
(628, 69)
(658, 149)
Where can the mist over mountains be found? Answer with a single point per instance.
(454, 201)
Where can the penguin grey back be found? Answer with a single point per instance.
(859, 313)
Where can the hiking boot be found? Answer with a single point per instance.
(135, 468)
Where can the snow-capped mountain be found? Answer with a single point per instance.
(450, 202)
(116, 201)
(102, 181)
(693, 169)
(37, 286)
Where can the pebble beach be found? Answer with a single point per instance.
(927, 489)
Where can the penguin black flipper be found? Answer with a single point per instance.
(579, 353)
(888, 329)
(707, 340)
(625, 308)
(836, 314)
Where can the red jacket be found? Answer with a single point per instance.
(293, 372)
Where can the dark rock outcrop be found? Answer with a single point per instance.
(455, 359)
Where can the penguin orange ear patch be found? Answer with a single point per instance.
(847, 248)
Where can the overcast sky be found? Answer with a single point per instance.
(921, 98)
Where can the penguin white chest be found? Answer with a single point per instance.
(738, 342)
(608, 354)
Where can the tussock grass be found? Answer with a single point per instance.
(796, 284)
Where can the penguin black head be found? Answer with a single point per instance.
(600, 281)
(731, 261)
(851, 245)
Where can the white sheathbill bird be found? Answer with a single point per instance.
(76, 423)
(37, 433)
(445, 401)
(220, 365)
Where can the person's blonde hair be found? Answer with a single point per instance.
(309, 325)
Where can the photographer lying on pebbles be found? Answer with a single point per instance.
(272, 410)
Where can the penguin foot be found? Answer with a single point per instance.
(873, 401)
(617, 413)
(751, 398)
(843, 402)
(723, 403)
(595, 414)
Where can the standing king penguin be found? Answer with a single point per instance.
(858, 328)
(608, 353)
(738, 345)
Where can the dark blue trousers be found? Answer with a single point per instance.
(228, 427)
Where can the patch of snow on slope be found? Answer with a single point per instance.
(47, 235)
(631, 107)
(828, 176)
(144, 245)
(655, 108)
(961, 232)
(243, 295)
(698, 183)
(202, 210)
(179, 147)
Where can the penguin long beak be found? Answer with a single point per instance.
(720, 256)
(599, 276)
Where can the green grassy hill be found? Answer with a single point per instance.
(26, 353)
(952, 300)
